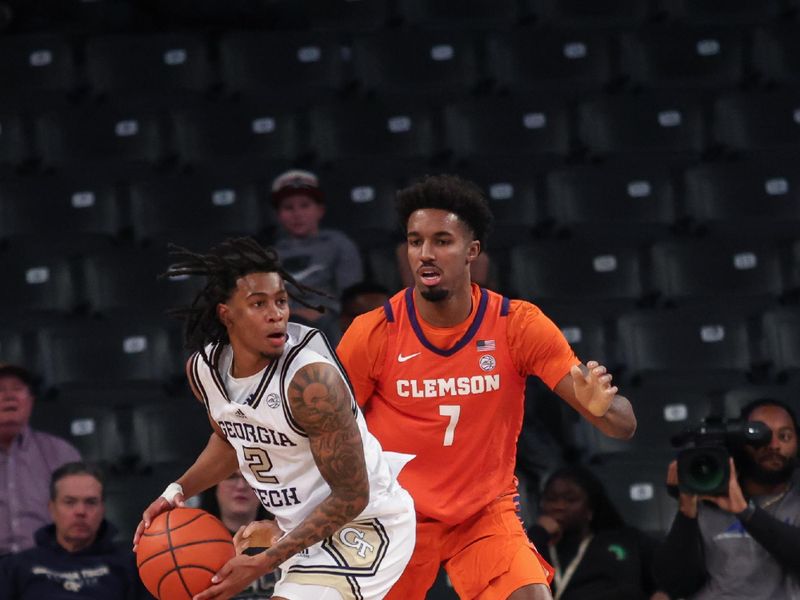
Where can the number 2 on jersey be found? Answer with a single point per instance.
(259, 463)
(453, 411)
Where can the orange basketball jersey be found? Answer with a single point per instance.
(459, 410)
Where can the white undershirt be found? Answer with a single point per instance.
(238, 388)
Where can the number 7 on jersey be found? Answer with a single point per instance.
(453, 411)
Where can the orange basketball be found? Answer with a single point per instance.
(180, 552)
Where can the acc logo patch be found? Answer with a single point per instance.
(273, 400)
(487, 362)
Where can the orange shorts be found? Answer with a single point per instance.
(487, 557)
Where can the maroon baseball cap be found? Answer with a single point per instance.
(296, 182)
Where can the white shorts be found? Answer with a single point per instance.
(361, 561)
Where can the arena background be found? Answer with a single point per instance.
(641, 158)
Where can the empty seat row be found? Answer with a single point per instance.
(309, 66)
(536, 127)
(633, 201)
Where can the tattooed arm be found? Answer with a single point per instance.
(321, 403)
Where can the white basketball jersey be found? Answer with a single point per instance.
(273, 450)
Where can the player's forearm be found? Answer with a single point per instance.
(216, 462)
(327, 518)
(619, 421)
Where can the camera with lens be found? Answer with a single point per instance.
(703, 461)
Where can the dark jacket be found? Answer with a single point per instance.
(103, 571)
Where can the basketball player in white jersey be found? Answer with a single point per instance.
(283, 414)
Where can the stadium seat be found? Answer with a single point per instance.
(781, 330)
(128, 494)
(605, 278)
(96, 429)
(37, 280)
(572, 62)
(292, 67)
(154, 429)
(533, 126)
(82, 212)
(626, 202)
(401, 129)
(737, 273)
(472, 14)
(237, 132)
(14, 346)
(36, 69)
(721, 12)
(709, 347)
(590, 13)
(657, 124)
(128, 280)
(514, 199)
(380, 263)
(348, 16)
(737, 398)
(147, 63)
(104, 138)
(661, 413)
(360, 202)
(439, 65)
(776, 54)
(760, 196)
(88, 353)
(752, 121)
(16, 148)
(196, 208)
(586, 333)
(637, 488)
(683, 58)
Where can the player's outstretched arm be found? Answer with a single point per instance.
(588, 389)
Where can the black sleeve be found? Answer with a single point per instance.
(8, 580)
(679, 566)
(647, 549)
(780, 539)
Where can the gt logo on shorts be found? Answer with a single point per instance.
(353, 538)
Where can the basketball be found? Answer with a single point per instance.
(180, 552)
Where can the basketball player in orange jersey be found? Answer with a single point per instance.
(440, 373)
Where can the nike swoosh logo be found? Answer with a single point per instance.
(401, 358)
(308, 271)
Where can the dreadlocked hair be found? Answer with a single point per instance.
(223, 266)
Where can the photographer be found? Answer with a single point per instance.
(745, 544)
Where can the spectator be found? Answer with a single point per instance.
(27, 460)
(323, 259)
(743, 544)
(237, 506)
(75, 557)
(360, 298)
(580, 532)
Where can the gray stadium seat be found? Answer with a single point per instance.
(760, 196)
(672, 58)
(625, 202)
(738, 273)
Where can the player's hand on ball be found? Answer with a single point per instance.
(158, 506)
(235, 576)
(593, 388)
(258, 534)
